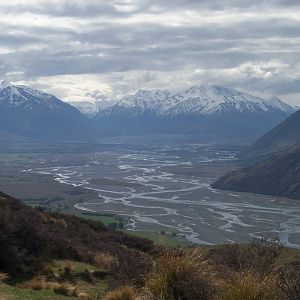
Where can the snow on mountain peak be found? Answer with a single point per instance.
(277, 103)
(202, 99)
(5, 84)
(17, 95)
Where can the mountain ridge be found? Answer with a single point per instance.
(208, 99)
(198, 110)
(34, 114)
(283, 136)
(276, 170)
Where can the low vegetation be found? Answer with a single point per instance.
(54, 257)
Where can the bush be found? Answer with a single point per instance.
(179, 276)
(289, 282)
(129, 267)
(258, 256)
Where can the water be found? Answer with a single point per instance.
(159, 187)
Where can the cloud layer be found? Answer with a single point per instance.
(88, 49)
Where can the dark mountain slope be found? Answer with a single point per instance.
(34, 114)
(282, 136)
(279, 175)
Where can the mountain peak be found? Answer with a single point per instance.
(5, 84)
(277, 103)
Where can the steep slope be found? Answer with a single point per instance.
(279, 175)
(30, 237)
(32, 113)
(198, 110)
(282, 136)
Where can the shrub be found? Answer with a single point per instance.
(129, 267)
(124, 293)
(247, 286)
(258, 256)
(178, 276)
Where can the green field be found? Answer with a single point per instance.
(12, 292)
(158, 238)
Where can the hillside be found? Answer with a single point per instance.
(279, 175)
(31, 237)
(34, 114)
(286, 134)
(58, 257)
(203, 110)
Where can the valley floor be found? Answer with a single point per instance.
(158, 187)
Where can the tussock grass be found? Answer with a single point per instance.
(3, 277)
(178, 276)
(123, 293)
(249, 286)
(64, 288)
(104, 260)
(37, 283)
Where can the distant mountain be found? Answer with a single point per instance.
(277, 171)
(208, 110)
(31, 113)
(283, 136)
(279, 175)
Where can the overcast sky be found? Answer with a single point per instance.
(93, 49)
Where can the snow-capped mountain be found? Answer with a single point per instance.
(35, 114)
(201, 100)
(199, 109)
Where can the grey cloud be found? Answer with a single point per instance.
(101, 39)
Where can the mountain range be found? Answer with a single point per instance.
(277, 168)
(200, 110)
(204, 110)
(30, 113)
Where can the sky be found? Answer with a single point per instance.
(101, 50)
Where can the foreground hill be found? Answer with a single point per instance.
(34, 114)
(205, 110)
(31, 237)
(106, 264)
(279, 175)
(285, 135)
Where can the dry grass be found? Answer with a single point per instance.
(37, 283)
(3, 277)
(248, 286)
(104, 260)
(68, 267)
(49, 269)
(124, 293)
(180, 276)
(64, 288)
(289, 282)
